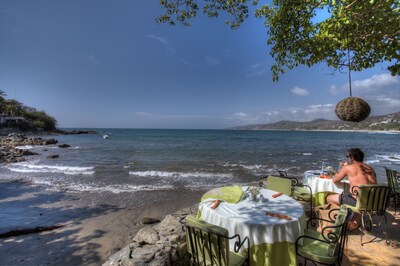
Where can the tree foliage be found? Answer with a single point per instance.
(32, 119)
(40, 119)
(357, 33)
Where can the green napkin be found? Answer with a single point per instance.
(231, 194)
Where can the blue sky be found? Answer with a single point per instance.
(98, 63)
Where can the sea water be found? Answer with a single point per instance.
(148, 159)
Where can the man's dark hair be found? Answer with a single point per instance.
(357, 154)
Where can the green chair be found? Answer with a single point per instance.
(280, 184)
(209, 244)
(326, 247)
(291, 187)
(393, 182)
(372, 200)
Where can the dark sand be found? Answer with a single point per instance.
(95, 224)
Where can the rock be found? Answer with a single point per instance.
(117, 257)
(144, 254)
(64, 146)
(9, 153)
(146, 235)
(158, 245)
(53, 156)
(148, 220)
(26, 152)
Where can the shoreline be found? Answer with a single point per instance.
(93, 230)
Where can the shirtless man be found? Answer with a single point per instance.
(358, 174)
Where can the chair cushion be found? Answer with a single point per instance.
(372, 198)
(280, 184)
(236, 258)
(302, 192)
(316, 250)
(214, 230)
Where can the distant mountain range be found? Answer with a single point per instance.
(390, 122)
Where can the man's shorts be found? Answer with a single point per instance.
(347, 198)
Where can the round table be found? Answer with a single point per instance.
(271, 239)
(321, 187)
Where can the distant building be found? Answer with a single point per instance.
(10, 120)
(29, 109)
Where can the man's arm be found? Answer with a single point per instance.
(339, 176)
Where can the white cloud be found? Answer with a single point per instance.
(183, 61)
(257, 69)
(212, 61)
(376, 81)
(374, 84)
(333, 90)
(160, 39)
(307, 113)
(142, 114)
(299, 91)
(170, 51)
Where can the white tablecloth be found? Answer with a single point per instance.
(247, 218)
(319, 184)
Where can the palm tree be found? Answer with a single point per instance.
(2, 101)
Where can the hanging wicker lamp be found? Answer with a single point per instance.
(352, 109)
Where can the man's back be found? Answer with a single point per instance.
(360, 174)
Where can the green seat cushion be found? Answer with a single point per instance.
(228, 257)
(280, 184)
(236, 258)
(316, 250)
(302, 192)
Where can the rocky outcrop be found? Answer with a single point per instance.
(10, 154)
(158, 245)
(76, 132)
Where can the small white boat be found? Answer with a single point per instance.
(105, 136)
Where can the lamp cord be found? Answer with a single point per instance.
(349, 61)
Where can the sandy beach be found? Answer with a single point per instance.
(92, 231)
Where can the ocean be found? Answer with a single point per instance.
(162, 160)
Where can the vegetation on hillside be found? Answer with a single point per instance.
(367, 31)
(390, 122)
(27, 118)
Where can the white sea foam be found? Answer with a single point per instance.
(25, 147)
(307, 153)
(179, 174)
(251, 167)
(31, 167)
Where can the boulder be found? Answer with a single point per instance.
(149, 220)
(158, 245)
(64, 146)
(146, 235)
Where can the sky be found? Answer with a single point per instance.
(108, 64)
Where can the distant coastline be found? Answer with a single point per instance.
(383, 123)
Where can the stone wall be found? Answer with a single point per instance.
(159, 245)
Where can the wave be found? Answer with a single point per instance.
(179, 174)
(57, 169)
(25, 147)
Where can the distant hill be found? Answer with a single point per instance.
(390, 122)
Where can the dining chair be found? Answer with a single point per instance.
(372, 200)
(291, 187)
(326, 247)
(393, 182)
(209, 244)
(280, 184)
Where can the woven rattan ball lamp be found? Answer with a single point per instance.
(352, 109)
